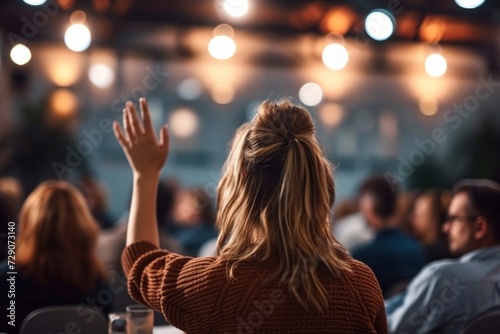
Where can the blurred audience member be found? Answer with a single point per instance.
(353, 231)
(194, 220)
(393, 256)
(55, 253)
(13, 190)
(447, 294)
(345, 208)
(97, 200)
(404, 208)
(427, 219)
(349, 225)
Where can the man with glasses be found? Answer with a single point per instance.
(447, 294)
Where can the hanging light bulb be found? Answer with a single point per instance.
(236, 8)
(222, 47)
(35, 2)
(380, 24)
(77, 37)
(469, 4)
(311, 94)
(335, 56)
(20, 54)
(101, 75)
(435, 65)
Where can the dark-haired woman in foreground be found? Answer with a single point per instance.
(278, 268)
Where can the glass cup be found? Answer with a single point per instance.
(117, 323)
(140, 319)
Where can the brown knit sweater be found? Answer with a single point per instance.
(195, 295)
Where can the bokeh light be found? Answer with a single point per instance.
(469, 4)
(311, 94)
(335, 56)
(236, 8)
(20, 54)
(428, 105)
(380, 24)
(78, 16)
(35, 2)
(331, 114)
(222, 93)
(77, 37)
(222, 47)
(435, 65)
(63, 103)
(183, 122)
(101, 75)
(189, 89)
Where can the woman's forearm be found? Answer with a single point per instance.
(142, 224)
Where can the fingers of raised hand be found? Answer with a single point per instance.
(120, 136)
(146, 117)
(164, 138)
(134, 121)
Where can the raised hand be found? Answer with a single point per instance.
(146, 155)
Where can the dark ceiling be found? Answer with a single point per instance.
(113, 22)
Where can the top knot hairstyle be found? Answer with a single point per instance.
(275, 198)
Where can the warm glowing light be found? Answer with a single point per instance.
(435, 65)
(428, 105)
(35, 2)
(236, 8)
(20, 54)
(64, 74)
(62, 66)
(335, 56)
(311, 94)
(222, 93)
(78, 16)
(77, 37)
(183, 123)
(469, 4)
(63, 103)
(339, 19)
(189, 89)
(331, 114)
(380, 24)
(222, 47)
(101, 75)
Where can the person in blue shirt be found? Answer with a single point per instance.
(447, 294)
(393, 256)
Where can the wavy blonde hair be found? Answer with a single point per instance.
(57, 239)
(274, 199)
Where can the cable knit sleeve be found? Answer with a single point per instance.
(183, 289)
(371, 294)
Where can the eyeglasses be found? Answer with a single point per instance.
(452, 218)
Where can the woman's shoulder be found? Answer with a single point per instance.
(362, 275)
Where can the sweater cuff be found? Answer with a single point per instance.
(133, 252)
